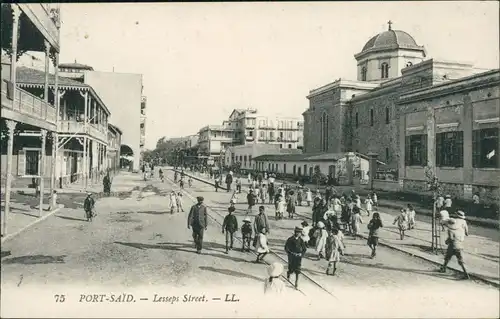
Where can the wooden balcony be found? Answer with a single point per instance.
(45, 18)
(74, 127)
(27, 108)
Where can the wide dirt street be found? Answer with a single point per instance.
(136, 246)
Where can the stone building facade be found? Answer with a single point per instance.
(366, 116)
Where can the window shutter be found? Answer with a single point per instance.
(476, 148)
(459, 149)
(439, 149)
(407, 151)
(21, 163)
(424, 150)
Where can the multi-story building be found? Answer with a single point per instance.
(143, 123)
(113, 149)
(245, 127)
(412, 112)
(27, 119)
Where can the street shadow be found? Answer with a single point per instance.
(430, 273)
(5, 254)
(424, 248)
(35, 259)
(232, 273)
(154, 212)
(71, 218)
(490, 256)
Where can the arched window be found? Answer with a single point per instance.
(363, 73)
(324, 132)
(371, 117)
(387, 115)
(385, 70)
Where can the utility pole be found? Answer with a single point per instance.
(430, 173)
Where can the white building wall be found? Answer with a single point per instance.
(121, 92)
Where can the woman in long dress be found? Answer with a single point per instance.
(334, 248)
(321, 236)
(273, 283)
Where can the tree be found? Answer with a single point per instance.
(434, 186)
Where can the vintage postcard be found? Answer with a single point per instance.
(250, 159)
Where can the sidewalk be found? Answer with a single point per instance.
(24, 212)
(481, 254)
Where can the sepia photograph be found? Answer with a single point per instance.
(332, 159)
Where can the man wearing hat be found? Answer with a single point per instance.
(457, 231)
(88, 206)
(295, 247)
(197, 219)
(246, 234)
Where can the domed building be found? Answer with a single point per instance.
(408, 111)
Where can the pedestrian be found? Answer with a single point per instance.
(316, 212)
(88, 207)
(369, 205)
(251, 201)
(306, 229)
(264, 194)
(280, 211)
(272, 194)
(337, 206)
(295, 248)
(356, 221)
(402, 222)
(107, 184)
(261, 221)
(246, 234)
(300, 194)
(261, 248)
(375, 199)
(411, 216)
(162, 177)
(178, 200)
(329, 213)
(308, 197)
(457, 231)
(234, 198)
(374, 228)
(229, 226)
(334, 248)
(197, 220)
(249, 178)
(439, 202)
(290, 208)
(190, 181)
(229, 181)
(173, 202)
(273, 284)
(238, 184)
(448, 202)
(181, 183)
(444, 216)
(216, 184)
(321, 236)
(357, 201)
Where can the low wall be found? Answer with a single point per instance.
(390, 186)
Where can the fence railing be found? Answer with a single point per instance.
(27, 103)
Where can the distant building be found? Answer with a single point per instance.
(244, 155)
(246, 126)
(114, 145)
(411, 111)
(143, 123)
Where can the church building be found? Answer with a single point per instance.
(410, 112)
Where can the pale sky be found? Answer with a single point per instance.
(202, 60)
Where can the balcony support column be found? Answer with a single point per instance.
(84, 159)
(16, 13)
(55, 137)
(11, 125)
(43, 136)
(46, 83)
(85, 131)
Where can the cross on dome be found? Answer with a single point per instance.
(390, 25)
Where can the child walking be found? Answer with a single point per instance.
(173, 202)
(178, 200)
(309, 197)
(234, 198)
(402, 221)
(246, 234)
(411, 216)
(262, 247)
(281, 207)
(356, 221)
(369, 205)
(321, 236)
(334, 248)
(374, 228)
(229, 226)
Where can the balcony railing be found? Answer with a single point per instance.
(73, 127)
(29, 104)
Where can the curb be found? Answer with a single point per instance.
(10, 236)
(381, 242)
(472, 275)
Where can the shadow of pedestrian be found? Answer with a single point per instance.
(71, 218)
(154, 212)
(35, 259)
(430, 273)
(5, 253)
(232, 273)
